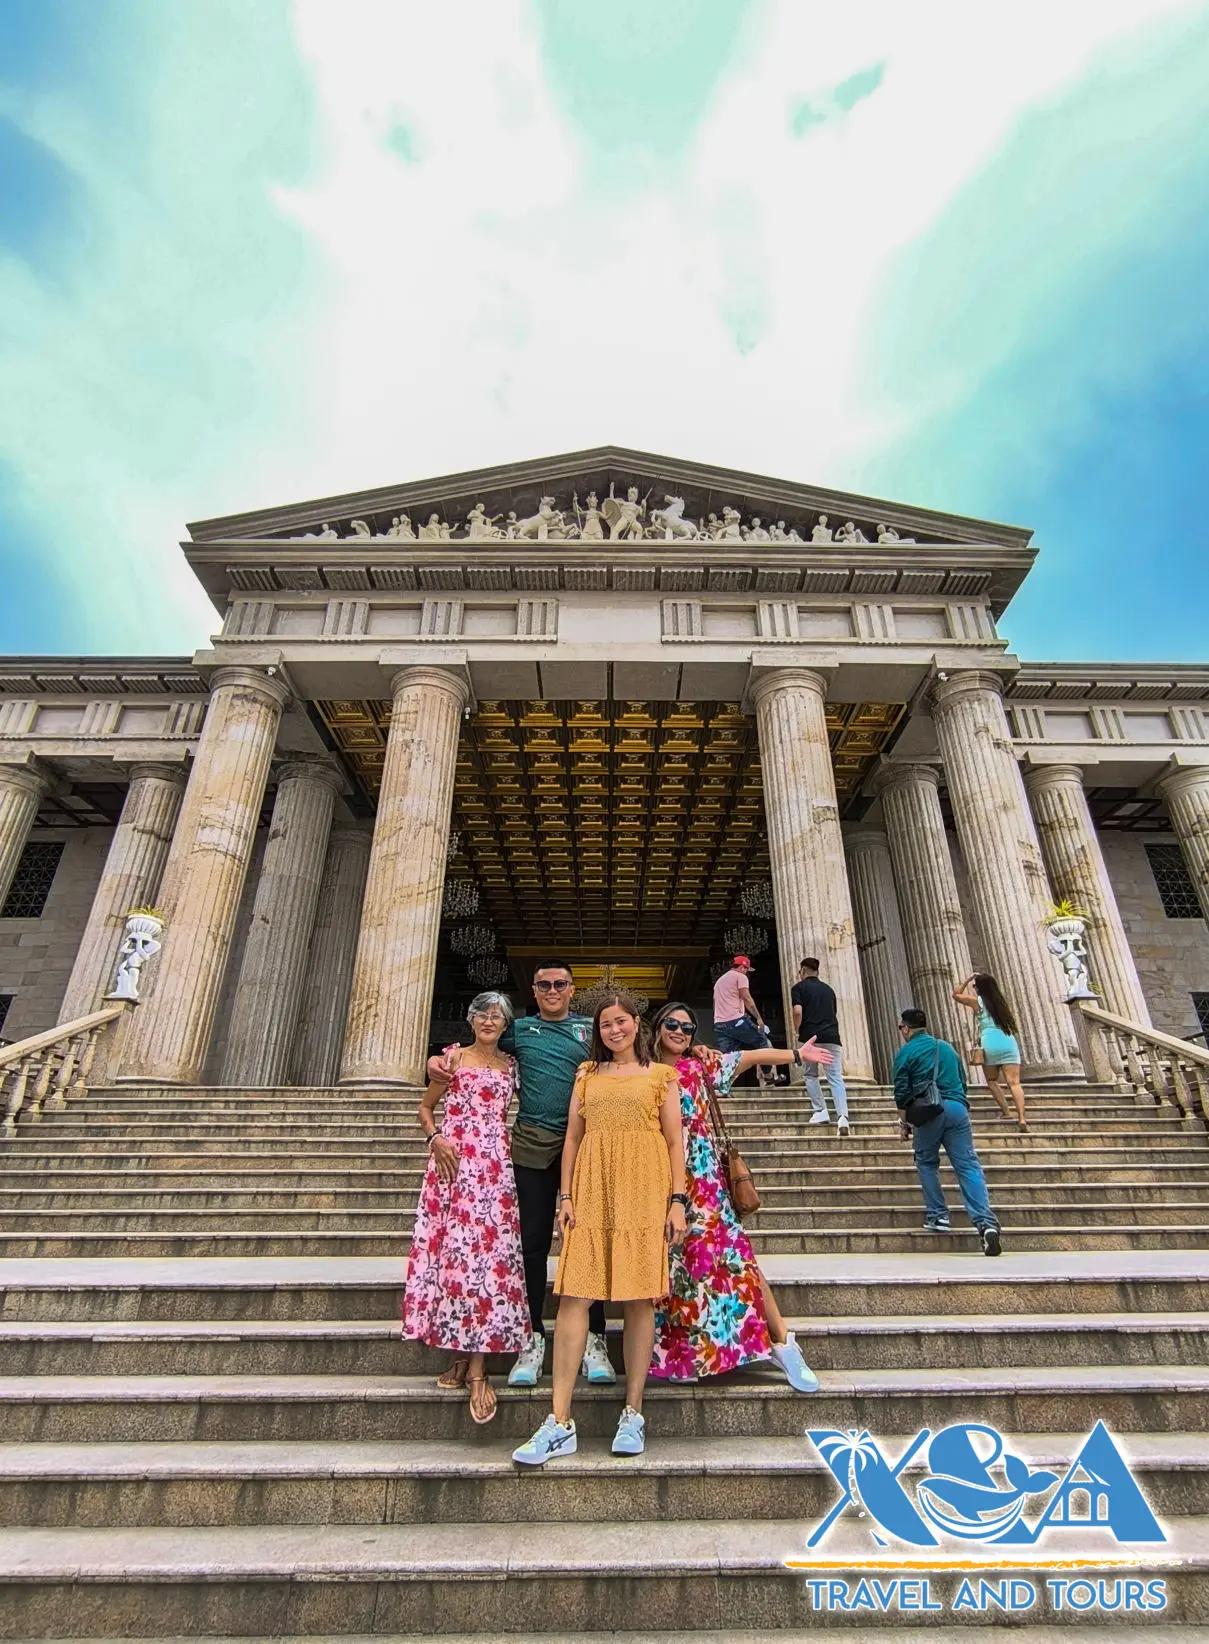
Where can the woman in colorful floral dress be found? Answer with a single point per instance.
(721, 1313)
(465, 1277)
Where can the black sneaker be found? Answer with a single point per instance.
(990, 1241)
(938, 1227)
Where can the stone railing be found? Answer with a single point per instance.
(1168, 1070)
(43, 1071)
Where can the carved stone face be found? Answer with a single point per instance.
(822, 519)
(632, 494)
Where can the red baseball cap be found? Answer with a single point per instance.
(741, 962)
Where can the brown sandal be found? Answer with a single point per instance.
(483, 1402)
(455, 1375)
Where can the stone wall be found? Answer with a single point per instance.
(36, 955)
(1172, 955)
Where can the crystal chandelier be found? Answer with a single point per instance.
(461, 899)
(747, 939)
(756, 901)
(472, 941)
(488, 973)
(452, 844)
(589, 1000)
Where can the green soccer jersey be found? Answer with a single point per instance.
(547, 1053)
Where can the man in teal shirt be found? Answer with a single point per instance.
(549, 1048)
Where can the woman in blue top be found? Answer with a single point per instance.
(997, 1036)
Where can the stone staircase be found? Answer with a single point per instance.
(210, 1427)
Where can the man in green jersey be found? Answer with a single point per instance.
(549, 1048)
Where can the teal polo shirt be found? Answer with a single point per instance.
(548, 1055)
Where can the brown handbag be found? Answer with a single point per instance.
(740, 1183)
(977, 1058)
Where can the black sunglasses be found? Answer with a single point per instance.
(553, 987)
(674, 1025)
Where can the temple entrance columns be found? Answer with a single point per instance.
(22, 787)
(880, 940)
(1185, 792)
(387, 1034)
(324, 1010)
(134, 867)
(1008, 884)
(204, 878)
(1077, 873)
(809, 873)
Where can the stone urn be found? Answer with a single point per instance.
(140, 942)
(1067, 941)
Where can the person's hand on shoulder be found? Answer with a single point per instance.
(442, 1068)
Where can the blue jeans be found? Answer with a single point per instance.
(742, 1034)
(951, 1130)
(834, 1075)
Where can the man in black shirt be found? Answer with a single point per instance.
(814, 1015)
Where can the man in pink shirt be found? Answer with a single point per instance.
(738, 1024)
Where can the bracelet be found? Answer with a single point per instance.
(436, 1134)
(563, 1196)
(680, 1199)
(797, 1056)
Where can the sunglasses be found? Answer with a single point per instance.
(553, 987)
(674, 1025)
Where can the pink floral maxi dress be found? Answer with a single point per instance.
(465, 1278)
(713, 1320)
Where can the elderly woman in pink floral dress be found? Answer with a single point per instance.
(721, 1313)
(465, 1277)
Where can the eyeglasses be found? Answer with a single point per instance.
(488, 1016)
(676, 1026)
(553, 987)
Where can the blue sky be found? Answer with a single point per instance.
(950, 254)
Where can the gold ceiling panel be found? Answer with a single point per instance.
(593, 822)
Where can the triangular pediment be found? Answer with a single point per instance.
(725, 504)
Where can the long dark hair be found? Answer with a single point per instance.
(661, 1015)
(600, 1052)
(997, 1009)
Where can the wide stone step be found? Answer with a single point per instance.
(516, 1578)
(1067, 1213)
(374, 1347)
(426, 1481)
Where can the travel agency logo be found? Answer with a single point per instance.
(971, 1505)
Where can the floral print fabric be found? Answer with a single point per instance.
(465, 1278)
(713, 1320)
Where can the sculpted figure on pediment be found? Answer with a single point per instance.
(511, 525)
(400, 526)
(756, 531)
(358, 528)
(887, 533)
(591, 528)
(479, 525)
(850, 532)
(435, 530)
(670, 522)
(325, 534)
(822, 531)
(732, 525)
(777, 532)
(546, 523)
(624, 515)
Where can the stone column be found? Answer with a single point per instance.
(1007, 878)
(130, 879)
(319, 1036)
(22, 789)
(265, 1008)
(879, 934)
(1071, 849)
(938, 954)
(204, 877)
(809, 875)
(389, 1008)
(1185, 792)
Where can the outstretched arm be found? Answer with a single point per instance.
(809, 1052)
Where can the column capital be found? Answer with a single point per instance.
(764, 685)
(865, 839)
(1182, 779)
(31, 777)
(159, 773)
(454, 684)
(1037, 778)
(969, 682)
(894, 775)
(271, 687)
(351, 833)
(307, 767)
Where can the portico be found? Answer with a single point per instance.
(411, 758)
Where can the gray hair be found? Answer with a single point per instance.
(485, 1001)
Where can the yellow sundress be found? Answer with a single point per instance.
(617, 1250)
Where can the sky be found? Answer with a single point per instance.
(948, 254)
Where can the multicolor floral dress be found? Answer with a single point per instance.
(713, 1320)
(465, 1278)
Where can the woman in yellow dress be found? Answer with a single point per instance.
(623, 1202)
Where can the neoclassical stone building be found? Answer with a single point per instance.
(598, 705)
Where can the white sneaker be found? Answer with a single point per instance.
(841, 1125)
(787, 1356)
(631, 1434)
(823, 1118)
(596, 1364)
(529, 1361)
(551, 1439)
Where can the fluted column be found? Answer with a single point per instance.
(22, 789)
(323, 1013)
(1185, 792)
(1071, 849)
(1008, 885)
(204, 878)
(809, 874)
(265, 1007)
(879, 934)
(389, 1010)
(938, 953)
(134, 867)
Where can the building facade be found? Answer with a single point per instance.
(631, 711)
